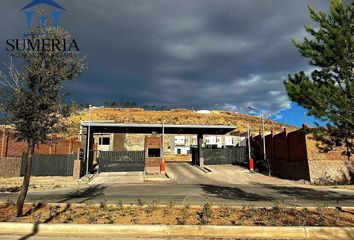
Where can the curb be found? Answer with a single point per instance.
(177, 231)
(178, 206)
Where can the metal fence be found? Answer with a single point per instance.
(122, 161)
(51, 164)
(235, 155)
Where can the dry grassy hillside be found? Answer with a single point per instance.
(178, 116)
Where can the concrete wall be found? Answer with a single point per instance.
(295, 156)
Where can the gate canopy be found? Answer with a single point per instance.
(107, 127)
(89, 128)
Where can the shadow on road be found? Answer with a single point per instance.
(84, 195)
(233, 193)
(306, 193)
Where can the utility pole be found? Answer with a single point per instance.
(88, 142)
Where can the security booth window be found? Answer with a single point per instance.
(154, 152)
(104, 141)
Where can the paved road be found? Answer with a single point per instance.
(225, 185)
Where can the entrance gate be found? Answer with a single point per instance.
(216, 156)
(122, 161)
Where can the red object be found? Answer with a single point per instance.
(163, 167)
(251, 164)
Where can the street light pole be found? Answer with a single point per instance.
(263, 134)
(264, 143)
(249, 141)
(88, 142)
(163, 165)
(250, 160)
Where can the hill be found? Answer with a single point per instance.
(177, 116)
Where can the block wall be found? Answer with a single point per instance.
(11, 151)
(295, 156)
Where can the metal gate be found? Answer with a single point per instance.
(235, 155)
(50, 164)
(122, 161)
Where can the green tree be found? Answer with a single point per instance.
(327, 93)
(31, 96)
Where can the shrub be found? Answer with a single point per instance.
(120, 204)
(206, 214)
(91, 219)
(171, 203)
(225, 211)
(152, 207)
(140, 202)
(182, 220)
(103, 205)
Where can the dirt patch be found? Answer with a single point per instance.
(37, 183)
(171, 215)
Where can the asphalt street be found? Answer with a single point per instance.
(229, 185)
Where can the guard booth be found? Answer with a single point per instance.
(88, 129)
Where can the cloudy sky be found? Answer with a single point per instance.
(206, 54)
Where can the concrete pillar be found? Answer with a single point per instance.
(77, 169)
(200, 150)
(83, 147)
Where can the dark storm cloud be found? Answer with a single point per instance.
(181, 53)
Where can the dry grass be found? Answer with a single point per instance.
(180, 116)
(154, 214)
(37, 183)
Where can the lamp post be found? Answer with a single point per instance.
(88, 142)
(263, 135)
(163, 165)
(250, 160)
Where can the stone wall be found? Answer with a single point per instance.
(10, 167)
(327, 172)
(119, 142)
(327, 167)
(134, 142)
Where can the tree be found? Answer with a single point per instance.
(327, 93)
(31, 96)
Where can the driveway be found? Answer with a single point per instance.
(185, 173)
(118, 178)
(224, 185)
